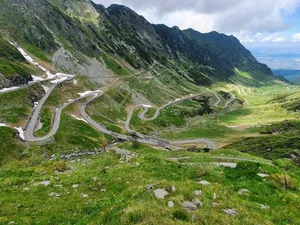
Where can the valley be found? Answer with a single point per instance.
(106, 118)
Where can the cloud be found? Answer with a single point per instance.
(228, 16)
(296, 37)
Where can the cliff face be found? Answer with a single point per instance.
(84, 28)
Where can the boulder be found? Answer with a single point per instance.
(160, 193)
(231, 212)
(243, 192)
(189, 206)
(171, 204)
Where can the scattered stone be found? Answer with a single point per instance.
(198, 192)
(189, 206)
(43, 173)
(20, 206)
(263, 175)
(124, 154)
(150, 187)
(171, 204)
(173, 189)
(75, 186)
(160, 193)
(243, 192)
(95, 179)
(230, 212)
(103, 190)
(197, 202)
(214, 204)
(45, 183)
(26, 189)
(264, 206)
(54, 195)
(204, 182)
(83, 195)
(12, 222)
(214, 196)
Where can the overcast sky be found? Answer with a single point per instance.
(252, 21)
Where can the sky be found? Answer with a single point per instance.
(263, 26)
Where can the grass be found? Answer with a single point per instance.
(113, 65)
(201, 128)
(46, 120)
(35, 51)
(10, 148)
(16, 105)
(126, 200)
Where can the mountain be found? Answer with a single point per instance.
(14, 70)
(74, 34)
(289, 74)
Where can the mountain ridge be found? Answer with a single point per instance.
(84, 29)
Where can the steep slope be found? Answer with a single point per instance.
(74, 35)
(13, 67)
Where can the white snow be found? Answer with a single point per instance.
(9, 89)
(25, 55)
(21, 132)
(81, 119)
(147, 106)
(75, 82)
(35, 105)
(36, 78)
(59, 80)
(3, 125)
(46, 89)
(87, 93)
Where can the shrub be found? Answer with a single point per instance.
(243, 170)
(181, 215)
(282, 181)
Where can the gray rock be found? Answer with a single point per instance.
(83, 195)
(54, 195)
(12, 222)
(20, 205)
(45, 183)
(214, 204)
(189, 206)
(150, 187)
(197, 202)
(160, 193)
(75, 186)
(173, 189)
(243, 192)
(171, 204)
(264, 206)
(204, 182)
(214, 196)
(26, 189)
(230, 212)
(198, 192)
(103, 190)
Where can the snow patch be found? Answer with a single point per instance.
(25, 55)
(46, 89)
(81, 119)
(21, 132)
(35, 105)
(147, 106)
(87, 93)
(36, 78)
(9, 89)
